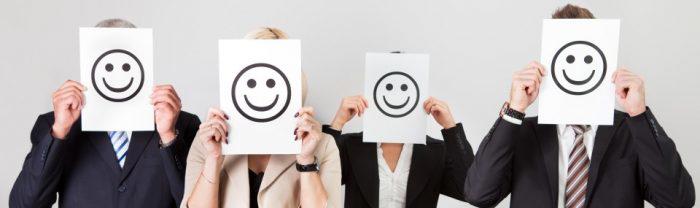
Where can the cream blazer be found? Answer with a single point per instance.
(280, 186)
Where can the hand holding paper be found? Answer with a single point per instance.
(440, 112)
(68, 101)
(309, 131)
(525, 86)
(349, 107)
(629, 88)
(167, 105)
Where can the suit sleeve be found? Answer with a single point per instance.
(458, 159)
(342, 150)
(489, 177)
(665, 181)
(330, 171)
(174, 157)
(37, 183)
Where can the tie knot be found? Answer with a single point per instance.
(580, 129)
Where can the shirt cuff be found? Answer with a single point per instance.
(328, 130)
(512, 120)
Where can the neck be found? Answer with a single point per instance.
(258, 163)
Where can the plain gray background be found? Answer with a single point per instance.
(474, 46)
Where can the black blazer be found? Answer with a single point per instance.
(439, 167)
(83, 168)
(632, 161)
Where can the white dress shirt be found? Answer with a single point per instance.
(566, 143)
(566, 139)
(392, 185)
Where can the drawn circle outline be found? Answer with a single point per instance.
(286, 82)
(602, 77)
(377, 102)
(94, 83)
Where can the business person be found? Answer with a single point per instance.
(105, 169)
(389, 175)
(308, 179)
(578, 165)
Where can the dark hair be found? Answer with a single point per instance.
(572, 12)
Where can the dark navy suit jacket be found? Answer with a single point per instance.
(83, 168)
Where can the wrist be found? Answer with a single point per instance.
(167, 136)
(337, 125)
(449, 125)
(59, 131)
(305, 159)
(637, 111)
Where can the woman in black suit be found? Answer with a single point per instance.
(401, 175)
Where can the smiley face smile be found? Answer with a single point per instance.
(260, 108)
(579, 58)
(581, 82)
(119, 66)
(118, 89)
(396, 106)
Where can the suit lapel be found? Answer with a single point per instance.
(100, 141)
(363, 161)
(422, 163)
(236, 169)
(546, 135)
(602, 140)
(138, 142)
(275, 167)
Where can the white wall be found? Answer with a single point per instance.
(474, 47)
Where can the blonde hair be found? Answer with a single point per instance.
(271, 33)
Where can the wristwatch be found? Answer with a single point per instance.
(506, 110)
(313, 167)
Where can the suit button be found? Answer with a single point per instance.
(122, 188)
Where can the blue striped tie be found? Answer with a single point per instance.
(120, 142)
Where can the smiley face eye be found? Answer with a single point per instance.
(109, 67)
(270, 83)
(389, 87)
(404, 87)
(126, 67)
(588, 59)
(251, 83)
(570, 59)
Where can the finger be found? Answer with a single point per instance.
(166, 98)
(69, 99)
(69, 91)
(364, 101)
(71, 83)
(216, 112)
(162, 92)
(219, 122)
(427, 104)
(306, 110)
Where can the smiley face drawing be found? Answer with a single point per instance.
(579, 67)
(261, 92)
(117, 75)
(396, 94)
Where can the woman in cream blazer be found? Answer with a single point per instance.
(214, 180)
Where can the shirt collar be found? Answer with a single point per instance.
(562, 127)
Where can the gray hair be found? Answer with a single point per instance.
(119, 23)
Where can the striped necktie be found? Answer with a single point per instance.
(120, 142)
(577, 177)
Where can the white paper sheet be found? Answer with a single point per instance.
(116, 67)
(580, 57)
(260, 90)
(396, 85)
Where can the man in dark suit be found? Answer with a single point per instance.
(387, 175)
(576, 165)
(105, 169)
